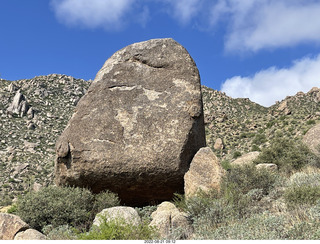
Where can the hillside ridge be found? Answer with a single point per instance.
(46, 103)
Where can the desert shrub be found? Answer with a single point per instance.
(255, 148)
(236, 154)
(303, 188)
(247, 177)
(311, 122)
(305, 231)
(105, 199)
(64, 232)
(58, 206)
(259, 139)
(226, 164)
(256, 227)
(146, 211)
(118, 229)
(287, 154)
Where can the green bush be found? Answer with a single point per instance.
(303, 188)
(236, 154)
(58, 206)
(64, 232)
(247, 177)
(256, 227)
(298, 195)
(118, 229)
(287, 154)
(226, 164)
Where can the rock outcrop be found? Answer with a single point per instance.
(205, 173)
(312, 139)
(137, 129)
(170, 222)
(19, 105)
(10, 225)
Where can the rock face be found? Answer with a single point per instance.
(10, 225)
(138, 127)
(170, 222)
(205, 173)
(312, 139)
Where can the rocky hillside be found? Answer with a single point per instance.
(35, 111)
(33, 114)
(245, 126)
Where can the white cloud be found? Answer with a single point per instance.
(184, 10)
(108, 14)
(257, 24)
(273, 84)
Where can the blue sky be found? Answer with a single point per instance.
(260, 49)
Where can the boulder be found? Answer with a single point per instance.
(19, 104)
(10, 225)
(170, 222)
(128, 214)
(312, 139)
(246, 159)
(30, 234)
(271, 167)
(218, 145)
(205, 173)
(138, 127)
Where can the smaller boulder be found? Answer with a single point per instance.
(30, 234)
(218, 145)
(10, 225)
(246, 159)
(170, 222)
(205, 173)
(128, 214)
(271, 167)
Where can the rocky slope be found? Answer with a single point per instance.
(34, 112)
(245, 126)
(28, 132)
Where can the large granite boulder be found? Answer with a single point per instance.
(138, 127)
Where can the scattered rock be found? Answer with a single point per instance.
(10, 225)
(246, 159)
(283, 107)
(170, 222)
(218, 145)
(36, 187)
(271, 167)
(30, 113)
(312, 139)
(19, 104)
(137, 129)
(5, 209)
(205, 173)
(128, 214)
(30, 234)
